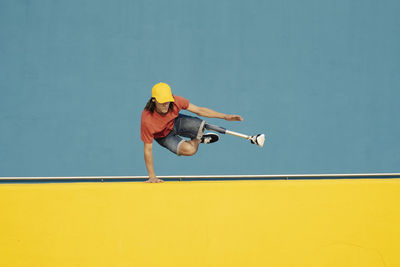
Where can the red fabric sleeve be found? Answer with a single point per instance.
(181, 102)
(145, 133)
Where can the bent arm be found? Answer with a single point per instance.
(209, 113)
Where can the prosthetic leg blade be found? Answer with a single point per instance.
(258, 139)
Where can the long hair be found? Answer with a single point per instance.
(151, 105)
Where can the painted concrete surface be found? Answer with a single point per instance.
(208, 223)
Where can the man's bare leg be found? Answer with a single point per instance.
(189, 148)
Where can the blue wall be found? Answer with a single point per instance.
(320, 78)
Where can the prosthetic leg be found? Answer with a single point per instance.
(257, 139)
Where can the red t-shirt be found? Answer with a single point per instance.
(154, 125)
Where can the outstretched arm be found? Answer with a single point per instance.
(148, 159)
(209, 113)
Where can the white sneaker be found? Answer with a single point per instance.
(209, 138)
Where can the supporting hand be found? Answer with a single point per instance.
(154, 180)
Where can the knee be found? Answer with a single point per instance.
(187, 149)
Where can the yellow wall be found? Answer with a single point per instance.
(227, 223)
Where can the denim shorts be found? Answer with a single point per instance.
(186, 126)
